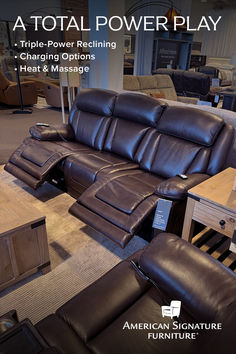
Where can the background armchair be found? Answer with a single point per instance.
(52, 95)
(9, 92)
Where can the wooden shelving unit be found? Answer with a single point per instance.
(172, 48)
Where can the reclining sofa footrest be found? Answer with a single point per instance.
(23, 176)
(113, 232)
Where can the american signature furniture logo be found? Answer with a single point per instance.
(172, 330)
(173, 310)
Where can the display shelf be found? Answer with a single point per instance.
(172, 48)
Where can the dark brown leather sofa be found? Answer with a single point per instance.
(98, 319)
(119, 154)
(188, 83)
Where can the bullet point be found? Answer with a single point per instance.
(15, 69)
(15, 56)
(15, 44)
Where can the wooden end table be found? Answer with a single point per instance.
(23, 239)
(213, 204)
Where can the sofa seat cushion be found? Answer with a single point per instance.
(74, 146)
(83, 168)
(37, 158)
(125, 210)
(97, 222)
(119, 337)
(126, 192)
(89, 312)
(166, 92)
(58, 334)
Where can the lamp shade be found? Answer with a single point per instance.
(171, 13)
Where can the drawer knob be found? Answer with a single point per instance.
(222, 224)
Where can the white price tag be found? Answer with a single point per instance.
(217, 98)
(232, 247)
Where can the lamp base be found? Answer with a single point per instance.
(23, 111)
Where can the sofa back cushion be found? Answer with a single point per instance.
(131, 83)
(139, 108)
(96, 101)
(196, 83)
(168, 156)
(187, 83)
(147, 82)
(183, 143)
(191, 124)
(90, 116)
(205, 302)
(176, 77)
(124, 137)
(134, 115)
(165, 84)
(151, 84)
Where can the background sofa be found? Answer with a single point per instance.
(211, 71)
(226, 69)
(119, 154)
(188, 83)
(93, 321)
(161, 85)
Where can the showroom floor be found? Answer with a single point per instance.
(79, 255)
(15, 127)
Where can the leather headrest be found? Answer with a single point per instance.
(186, 273)
(139, 108)
(96, 101)
(190, 124)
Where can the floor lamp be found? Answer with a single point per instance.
(140, 4)
(22, 110)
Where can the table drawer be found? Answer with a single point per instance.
(212, 217)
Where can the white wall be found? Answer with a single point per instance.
(220, 43)
(198, 10)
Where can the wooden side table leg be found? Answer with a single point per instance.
(46, 269)
(187, 233)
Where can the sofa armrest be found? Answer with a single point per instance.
(184, 272)
(184, 99)
(176, 188)
(27, 83)
(55, 132)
